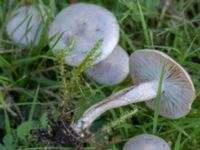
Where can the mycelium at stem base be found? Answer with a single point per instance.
(133, 94)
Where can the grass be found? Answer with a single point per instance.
(158, 96)
(31, 85)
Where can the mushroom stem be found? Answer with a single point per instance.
(142, 92)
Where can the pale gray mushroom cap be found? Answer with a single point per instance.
(112, 70)
(146, 142)
(25, 25)
(86, 23)
(178, 91)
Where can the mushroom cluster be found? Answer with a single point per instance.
(88, 23)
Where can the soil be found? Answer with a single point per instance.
(61, 134)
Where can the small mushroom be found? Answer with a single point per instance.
(146, 142)
(86, 24)
(25, 26)
(112, 70)
(177, 90)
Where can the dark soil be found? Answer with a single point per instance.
(61, 134)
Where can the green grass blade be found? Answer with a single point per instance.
(33, 104)
(52, 5)
(144, 25)
(157, 108)
(178, 142)
(7, 120)
(6, 65)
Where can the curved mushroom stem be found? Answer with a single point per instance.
(142, 92)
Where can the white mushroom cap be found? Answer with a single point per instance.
(178, 91)
(113, 70)
(146, 142)
(25, 26)
(86, 23)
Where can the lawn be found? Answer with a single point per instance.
(40, 96)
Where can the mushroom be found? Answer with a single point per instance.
(177, 92)
(146, 142)
(25, 26)
(112, 70)
(87, 24)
